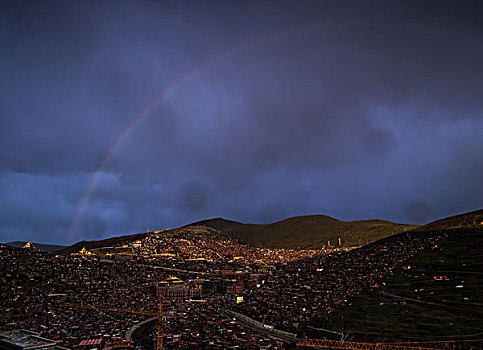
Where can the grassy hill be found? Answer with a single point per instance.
(410, 305)
(312, 231)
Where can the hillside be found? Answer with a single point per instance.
(39, 246)
(234, 229)
(313, 231)
(192, 232)
(472, 219)
(305, 232)
(435, 295)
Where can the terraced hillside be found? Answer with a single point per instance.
(435, 295)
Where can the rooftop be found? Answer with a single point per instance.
(25, 339)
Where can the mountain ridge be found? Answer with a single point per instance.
(303, 232)
(471, 219)
(307, 231)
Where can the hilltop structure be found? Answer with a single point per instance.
(84, 252)
(29, 245)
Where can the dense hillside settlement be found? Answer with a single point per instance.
(216, 292)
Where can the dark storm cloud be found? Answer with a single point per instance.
(340, 108)
(194, 196)
(418, 211)
(380, 142)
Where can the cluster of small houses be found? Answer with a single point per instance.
(286, 296)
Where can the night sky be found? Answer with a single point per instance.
(119, 116)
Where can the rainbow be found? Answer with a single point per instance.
(144, 113)
(419, 27)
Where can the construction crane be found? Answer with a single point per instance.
(336, 344)
(160, 324)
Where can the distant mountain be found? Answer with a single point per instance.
(312, 231)
(39, 246)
